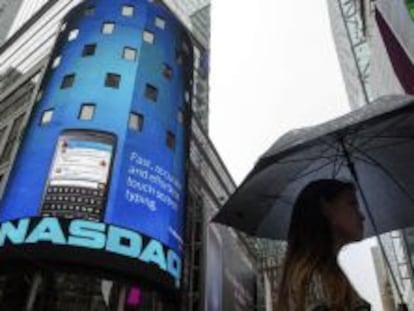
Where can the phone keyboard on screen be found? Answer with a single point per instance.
(74, 202)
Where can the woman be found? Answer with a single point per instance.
(325, 217)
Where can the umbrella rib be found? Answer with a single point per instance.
(387, 137)
(354, 173)
(299, 173)
(338, 163)
(378, 164)
(273, 197)
(380, 132)
(304, 169)
(337, 156)
(338, 169)
(389, 145)
(307, 159)
(304, 174)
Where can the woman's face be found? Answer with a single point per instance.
(345, 217)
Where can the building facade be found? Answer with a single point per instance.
(8, 11)
(383, 280)
(375, 46)
(32, 55)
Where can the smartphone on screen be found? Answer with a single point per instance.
(79, 176)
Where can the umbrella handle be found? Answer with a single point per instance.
(402, 306)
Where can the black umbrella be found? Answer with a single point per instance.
(372, 146)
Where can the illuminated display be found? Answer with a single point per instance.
(102, 166)
(79, 175)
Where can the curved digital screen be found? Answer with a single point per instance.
(102, 166)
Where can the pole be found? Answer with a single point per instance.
(37, 279)
(351, 166)
(122, 298)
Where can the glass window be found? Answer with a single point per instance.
(73, 34)
(129, 54)
(160, 22)
(2, 133)
(170, 140)
(395, 234)
(136, 121)
(112, 80)
(39, 95)
(56, 61)
(87, 111)
(148, 37)
(167, 72)
(404, 271)
(187, 96)
(127, 10)
(151, 92)
(47, 116)
(90, 11)
(89, 50)
(186, 49)
(17, 124)
(68, 81)
(179, 57)
(180, 117)
(108, 28)
(12, 139)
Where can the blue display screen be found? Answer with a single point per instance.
(106, 146)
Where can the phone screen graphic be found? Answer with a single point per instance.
(78, 180)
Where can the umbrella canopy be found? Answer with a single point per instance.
(377, 140)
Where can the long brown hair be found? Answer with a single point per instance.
(311, 250)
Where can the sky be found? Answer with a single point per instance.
(274, 68)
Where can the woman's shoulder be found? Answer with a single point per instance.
(317, 298)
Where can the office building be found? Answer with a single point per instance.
(80, 83)
(375, 47)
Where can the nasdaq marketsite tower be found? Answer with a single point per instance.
(100, 177)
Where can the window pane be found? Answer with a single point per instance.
(170, 140)
(67, 81)
(148, 37)
(180, 116)
(87, 112)
(17, 124)
(187, 96)
(112, 80)
(39, 95)
(186, 49)
(127, 10)
(179, 57)
(73, 34)
(7, 152)
(56, 61)
(167, 72)
(160, 22)
(151, 92)
(2, 133)
(90, 11)
(136, 121)
(89, 50)
(46, 117)
(108, 28)
(11, 139)
(129, 54)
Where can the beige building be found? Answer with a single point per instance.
(384, 283)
